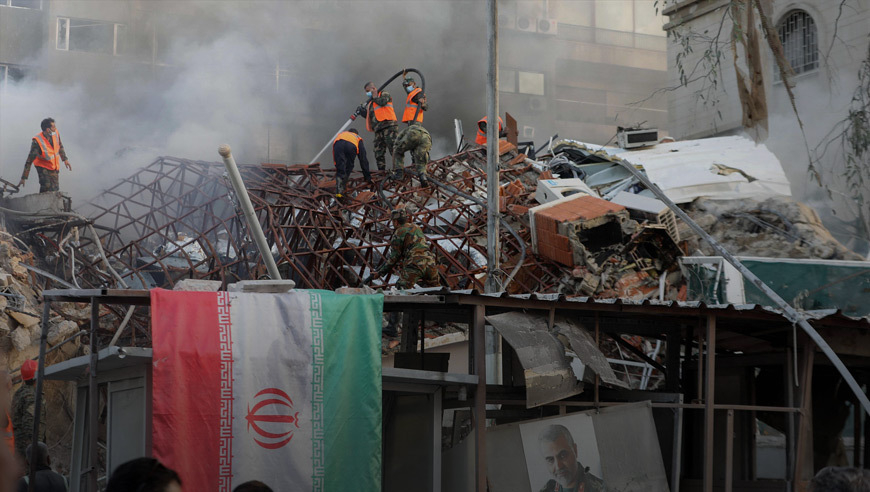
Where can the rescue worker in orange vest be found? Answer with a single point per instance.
(415, 138)
(415, 103)
(347, 147)
(481, 131)
(46, 152)
(380, 119)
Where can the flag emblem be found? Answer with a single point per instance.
(272, 418)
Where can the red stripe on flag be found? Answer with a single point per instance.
(186, 338)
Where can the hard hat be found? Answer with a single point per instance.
(28, 369)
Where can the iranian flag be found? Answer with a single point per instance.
(281, 388)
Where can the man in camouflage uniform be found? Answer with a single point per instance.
(560, 454)
(385, 128)
(410, 249)
(47, 156)
(416, 139)
(24, 409)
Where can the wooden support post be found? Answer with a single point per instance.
(597, 344)
(790, 447)
(478, 333)
(709, 402)
(856, 446)
(804, 456)
(672, 360)
(729, 451)
(93, 400)
(700, 394)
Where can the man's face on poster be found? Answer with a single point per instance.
(561, 458)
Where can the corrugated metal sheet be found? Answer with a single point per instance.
(688, 308)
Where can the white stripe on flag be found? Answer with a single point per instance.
(272, 344)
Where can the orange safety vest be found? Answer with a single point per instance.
(381, 113)
(411, 107)
(10, 434)
(481, 136)
(50, 158)
(349, 137)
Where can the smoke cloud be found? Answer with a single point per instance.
(275, 79)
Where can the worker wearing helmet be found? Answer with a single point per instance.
(380, 119)
(415, 138)
(24, 409)
(481, 131)
(415, 103)
(409, 248)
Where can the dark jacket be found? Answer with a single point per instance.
(47, 480)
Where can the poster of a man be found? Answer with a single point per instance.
(562, 455)
(559, 451)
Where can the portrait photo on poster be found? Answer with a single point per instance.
(562, 454)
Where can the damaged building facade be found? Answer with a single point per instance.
(825, 47)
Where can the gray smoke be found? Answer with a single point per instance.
(215, 81)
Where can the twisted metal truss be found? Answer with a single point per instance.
(177, 219)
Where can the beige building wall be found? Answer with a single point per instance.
(823, 94)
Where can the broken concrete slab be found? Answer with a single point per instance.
(262, 286)
(60, 331)
(49, 203)
(20, 338)
(198, 285)
(27, 320)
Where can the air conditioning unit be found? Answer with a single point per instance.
(547, 26)
(537, 104)
(507, 21)
(528, 131)
(527, 24)
(550, 190)
(630, 139)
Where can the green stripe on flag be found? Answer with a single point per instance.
(351, 390)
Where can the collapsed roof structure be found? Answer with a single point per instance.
(574, 221)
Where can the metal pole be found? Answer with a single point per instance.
(729, 450)
(478, 329)
(790, 313)
(248, 210)
(492, 181)
(709, 402)
(40, 377)
(93, 400)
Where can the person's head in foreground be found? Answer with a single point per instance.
(144, 475)
(841, 479)
(253, 486)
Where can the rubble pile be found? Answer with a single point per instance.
(574, 221)
(777, 227)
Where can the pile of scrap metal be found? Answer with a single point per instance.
(574, 221)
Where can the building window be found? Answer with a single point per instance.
(4, 73)
(91, 36)
(530, 83)
(507, 80)
(799, 37)
(22, 4)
